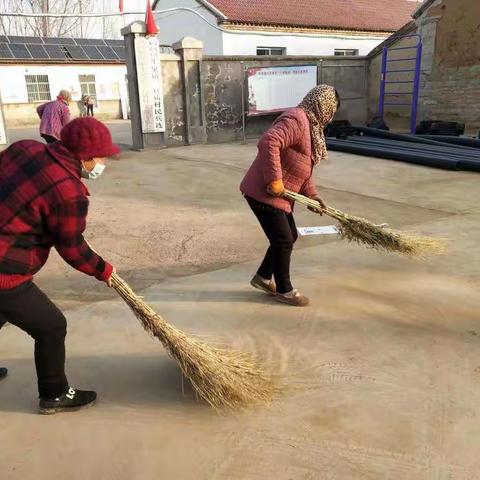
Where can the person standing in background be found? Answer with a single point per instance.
(89, 103)
(54, 116)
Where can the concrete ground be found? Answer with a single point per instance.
(381, 375)
(121, 133)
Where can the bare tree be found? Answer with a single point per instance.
(110, 25)
(105, 27)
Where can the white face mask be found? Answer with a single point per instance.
(97, 170)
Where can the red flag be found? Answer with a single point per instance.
(152, 28)
(120, 6)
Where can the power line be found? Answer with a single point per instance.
(183, 9)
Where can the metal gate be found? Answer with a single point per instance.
(401, 68)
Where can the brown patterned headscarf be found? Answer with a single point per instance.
(320, 104)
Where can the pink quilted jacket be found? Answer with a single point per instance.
(54, 116)
(284, 153)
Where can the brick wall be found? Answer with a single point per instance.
(450, 31)
(450, 73)
(453, 94)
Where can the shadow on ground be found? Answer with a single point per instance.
(120, 381)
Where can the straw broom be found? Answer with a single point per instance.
(221, 377)
(362, 231)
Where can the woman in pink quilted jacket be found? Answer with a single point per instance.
(54, 116)
(286, 156)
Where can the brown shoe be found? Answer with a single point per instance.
(294, 298)
(267, 287)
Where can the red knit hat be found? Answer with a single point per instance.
(87, 138)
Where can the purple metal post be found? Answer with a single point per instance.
(381, 103)
(416, 88)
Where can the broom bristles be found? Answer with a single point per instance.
(221, 377)
(362, 231)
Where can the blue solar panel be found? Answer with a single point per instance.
(76, 53)
(89, 42)
(93, 53)
(18, 39)
(37, 51)
(53, 48)
(115, 43)
(58, 41)
(120, 51)
(5, 51)
(108, 53)
(55, 52)
(19, 50)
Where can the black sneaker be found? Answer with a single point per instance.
(71, 401)
(3, 373)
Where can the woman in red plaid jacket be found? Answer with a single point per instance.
(286, 156)
(44, 204)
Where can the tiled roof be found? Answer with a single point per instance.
(366, 15)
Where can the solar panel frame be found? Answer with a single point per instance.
(108, 53)
(58, 41)
(66, 49)
(5, 51)
(19, 50)
(121, 52)
(89, 42)
(115, 43)
(55, 52)
(20, 39)
(93, 52)
(37, 51)
(76, 52)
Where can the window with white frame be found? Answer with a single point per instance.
(346, 52)
(87, 85)
(38, 88)
(275, 51)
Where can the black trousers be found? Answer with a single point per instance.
(29, 309)
(48, 138)
(89, 110)
(281, 231)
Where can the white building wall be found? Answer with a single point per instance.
(235, 44)
(108, 79)
(110, 87)
(175, 26)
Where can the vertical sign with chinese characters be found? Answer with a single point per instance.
(3, 135)
(150, 87)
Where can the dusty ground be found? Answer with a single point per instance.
(386, 358)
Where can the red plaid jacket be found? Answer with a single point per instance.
(43, 204)
(284, 153)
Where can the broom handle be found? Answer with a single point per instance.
(131, 298)
(117, 281)
(297, 197)
(330, 211)
(123, 289)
